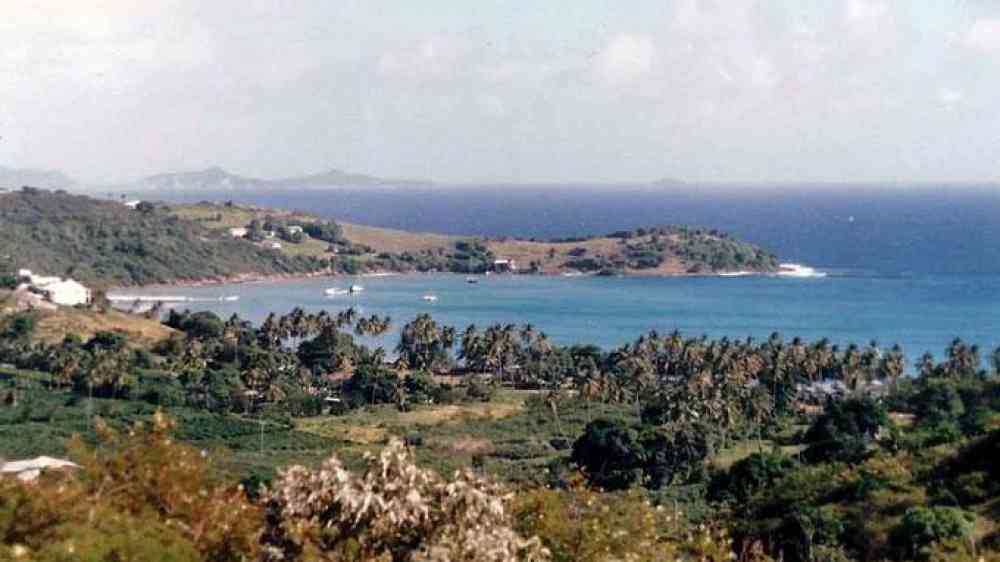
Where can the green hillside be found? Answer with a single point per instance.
(105, 243)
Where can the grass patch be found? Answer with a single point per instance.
(53, 326)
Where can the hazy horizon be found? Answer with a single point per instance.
(848, 92)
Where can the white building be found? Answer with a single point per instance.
(66, 292)
(504, 265)
(132, 204)
(28, 470)
(272, 245)
(294, 230)
(238, 232)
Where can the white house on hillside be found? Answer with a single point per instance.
(66, 292)
(503, 265)
(239, 232)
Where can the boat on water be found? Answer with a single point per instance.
(230, 298)
(430, 298)
(336, 291)
(472, 280)
(356, 289)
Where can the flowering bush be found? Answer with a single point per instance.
(395, 512)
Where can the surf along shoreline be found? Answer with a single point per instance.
(786, 269)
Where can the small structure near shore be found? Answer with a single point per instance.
(30, 469)
(56, 290)
(504, 265)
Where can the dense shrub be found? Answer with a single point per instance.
(609, 454)
(142, 498)
(747, 476)
(578, 524)
(923, 527)
(845, 430)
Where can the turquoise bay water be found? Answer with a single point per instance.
(921, 313)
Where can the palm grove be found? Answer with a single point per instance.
(649, 422)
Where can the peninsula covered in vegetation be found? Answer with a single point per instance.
(108, 243)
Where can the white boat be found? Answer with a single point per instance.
(430, 298)
(356, 288)
(231, 298)
(335, 291)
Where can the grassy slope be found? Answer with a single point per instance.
(552, 256)
(103, 243)
(53, 326)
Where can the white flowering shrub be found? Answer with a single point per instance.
(394, 512)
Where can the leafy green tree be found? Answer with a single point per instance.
(328, 352)
(19, 327)
(747, 476)
(845, 430)
(609, 454)
(923, 527)
(373, 385)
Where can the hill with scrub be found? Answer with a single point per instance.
(664, 250)
(104, 243)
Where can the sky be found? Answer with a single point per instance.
(506, 91)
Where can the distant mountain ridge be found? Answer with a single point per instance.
(218, 179)
(15, 178)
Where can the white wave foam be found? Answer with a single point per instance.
(798, 270)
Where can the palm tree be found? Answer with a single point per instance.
(423, 344)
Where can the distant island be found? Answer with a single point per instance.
(111, 243)
(216, 179)
(48, 179)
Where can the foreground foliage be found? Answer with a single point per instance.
(395, 511)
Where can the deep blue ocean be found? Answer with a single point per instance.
(915, 265)
(899, 230)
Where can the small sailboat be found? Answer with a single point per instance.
(430, 298)
(335, 291)
(472, 280)
(356, 289)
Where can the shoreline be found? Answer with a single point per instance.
(255, 278)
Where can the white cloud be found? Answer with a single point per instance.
(270, 88)
(950, 97)
(624, 58)
(864, 10)
(984, 34)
